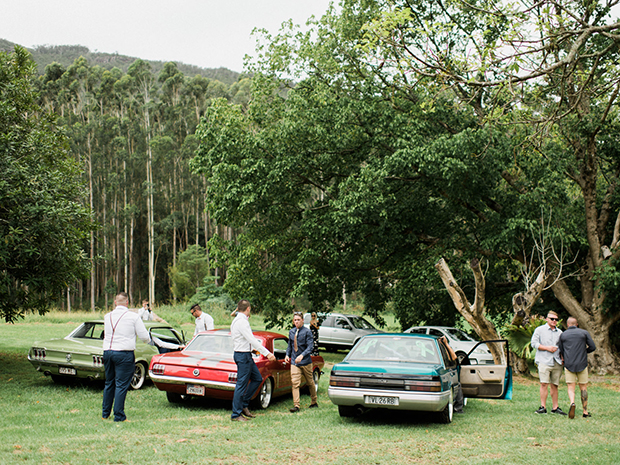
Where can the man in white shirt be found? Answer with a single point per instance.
(146, 314)
(247, 371)
(545, 340)
(204, 322)
(121, 328)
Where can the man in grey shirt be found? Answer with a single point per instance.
(575, 344)
(545, 341)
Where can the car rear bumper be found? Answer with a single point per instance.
(50, 368)
(420, 401)
(174, 380)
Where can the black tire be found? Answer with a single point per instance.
(346, 411)
(445, 416)
(175, 398)
(139, 376)
(463, 358)
(263, 399)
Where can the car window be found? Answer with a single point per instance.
(342, 323)
(435, 332)
(307, 318)
(279, 348)
(459, 335)
(446, 357)
(166, 335)
(89, 331)
(329, 321)
(360, 323)
(395, 348)
(211, 343)
(418, 330)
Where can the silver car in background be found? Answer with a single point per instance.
(340, 331)
(461, 342)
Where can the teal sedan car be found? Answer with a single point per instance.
(413, 372)
(80, 354)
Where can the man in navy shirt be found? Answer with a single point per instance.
(575, 344)
(300, 344)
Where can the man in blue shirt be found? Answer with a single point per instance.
(575, 344)
(545, 341)
(300, 344)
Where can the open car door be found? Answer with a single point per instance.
(489, 381)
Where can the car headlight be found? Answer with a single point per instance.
(481, 351)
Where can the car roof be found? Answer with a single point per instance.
(148, 324)
(334, 314)
(434, 326)
(423, 336)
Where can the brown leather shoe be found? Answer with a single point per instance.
(246, 412)
(240, 418)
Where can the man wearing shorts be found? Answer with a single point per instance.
(545, 340)
(575, 344)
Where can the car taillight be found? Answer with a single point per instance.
(98, 360)
(38, 354)
(158, 369)
(426, 386)
(232, 377)
(344, 381)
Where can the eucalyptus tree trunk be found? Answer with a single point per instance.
(473, 313)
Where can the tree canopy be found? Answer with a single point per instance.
(43, 222)
(417, 130)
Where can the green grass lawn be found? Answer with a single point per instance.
(45, 423)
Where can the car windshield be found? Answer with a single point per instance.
(360, 323)
(89, 331)
(458, 334)
(395, 348)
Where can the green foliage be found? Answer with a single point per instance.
(43, 224)
(520, 337)
(190, 272)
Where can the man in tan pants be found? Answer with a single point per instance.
(300, 344)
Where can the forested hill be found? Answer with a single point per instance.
(66, 54)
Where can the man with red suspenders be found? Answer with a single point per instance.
(121, 328)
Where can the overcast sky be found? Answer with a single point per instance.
(206, 33)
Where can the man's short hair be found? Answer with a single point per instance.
(243, 305)
(122, 297)
(552, 313)
(191, 309)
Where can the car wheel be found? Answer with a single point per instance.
(316, 376)
(445, 416)
(264, 396)
(347, 411)
(175, 398)
(139, 376)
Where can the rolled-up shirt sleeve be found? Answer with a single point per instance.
(141, 331)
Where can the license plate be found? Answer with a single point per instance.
(381, 400)
(66, 371)
(195, 390)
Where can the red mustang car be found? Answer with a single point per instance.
(206, 368)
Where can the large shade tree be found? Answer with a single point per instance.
(349, 182)
(43, 222)
(552, 69)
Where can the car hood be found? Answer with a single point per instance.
(382, 366)
(72, 345)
